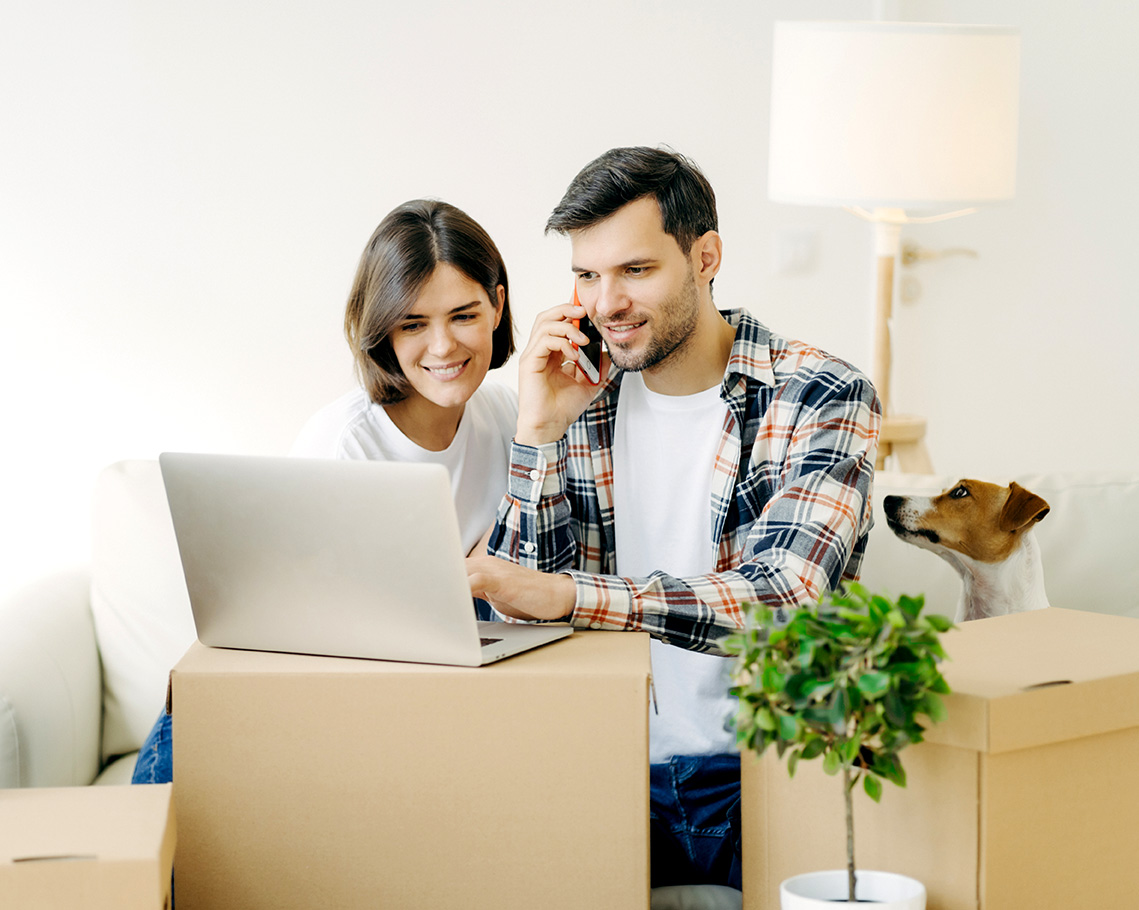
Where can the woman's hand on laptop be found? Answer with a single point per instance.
(519, 592)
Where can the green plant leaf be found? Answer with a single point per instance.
(874, 685)
(873, 787)
(814, 747)
(934, 708)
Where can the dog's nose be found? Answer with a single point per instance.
(891, 504)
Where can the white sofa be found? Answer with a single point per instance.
(85, 653)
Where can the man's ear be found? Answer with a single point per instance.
(706, 255)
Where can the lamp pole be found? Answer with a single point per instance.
(901, 435)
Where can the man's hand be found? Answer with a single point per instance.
(519, 592)
(552, 391)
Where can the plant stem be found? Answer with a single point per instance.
(848, 794)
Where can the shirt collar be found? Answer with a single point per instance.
(751, 349)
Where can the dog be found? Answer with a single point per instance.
(985, 531)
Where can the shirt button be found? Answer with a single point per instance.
(529, 546)
(535, 474)
(595, 625)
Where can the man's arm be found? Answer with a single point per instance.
(800, 525)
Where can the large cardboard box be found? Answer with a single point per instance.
(308, 782)
(95, 848)
(1026, 796)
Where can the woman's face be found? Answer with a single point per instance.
(444, 344)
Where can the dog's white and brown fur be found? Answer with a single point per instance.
(985, 531)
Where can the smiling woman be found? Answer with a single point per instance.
(428, 315)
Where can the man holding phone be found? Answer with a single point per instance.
(715, 464)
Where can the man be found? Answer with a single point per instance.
(716, 464)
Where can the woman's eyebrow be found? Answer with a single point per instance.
(459, 309)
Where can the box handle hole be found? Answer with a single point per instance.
(1048, 685)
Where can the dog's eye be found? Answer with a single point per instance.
(958, 493)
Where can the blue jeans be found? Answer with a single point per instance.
(694, 821)
(155, 763)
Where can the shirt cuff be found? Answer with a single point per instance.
(599, 603)
(537, 472)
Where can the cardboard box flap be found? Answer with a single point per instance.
(1041, 677)
(107, 824)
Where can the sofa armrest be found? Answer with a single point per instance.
(51, 709)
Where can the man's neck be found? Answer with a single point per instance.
(698, 364)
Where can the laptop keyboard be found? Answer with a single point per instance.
(489, 641)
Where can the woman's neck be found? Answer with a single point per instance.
(424, 423)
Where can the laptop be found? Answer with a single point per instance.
(331, 557)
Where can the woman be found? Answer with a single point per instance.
(428, 315)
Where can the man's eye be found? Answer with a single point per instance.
(637, 269)
(958, 493)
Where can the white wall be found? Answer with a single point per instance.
(185, 189)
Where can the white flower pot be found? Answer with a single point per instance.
(828, 890)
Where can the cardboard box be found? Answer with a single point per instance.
(309, 782)
(98, 848)
(1026, 796)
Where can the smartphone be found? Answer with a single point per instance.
(589, 359)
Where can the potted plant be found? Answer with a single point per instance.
(845, 680)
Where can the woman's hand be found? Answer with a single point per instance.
(552, 390)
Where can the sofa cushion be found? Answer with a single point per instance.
(50, 702)
(1087, 542)
(138, 599)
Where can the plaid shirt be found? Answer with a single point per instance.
(791, 505)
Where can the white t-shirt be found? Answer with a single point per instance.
(663, 452)
(478, 458)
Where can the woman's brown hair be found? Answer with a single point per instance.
(398, 261)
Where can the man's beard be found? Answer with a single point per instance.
(674, 325)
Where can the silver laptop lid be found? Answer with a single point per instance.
(321, 556)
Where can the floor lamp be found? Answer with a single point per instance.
(889, 119)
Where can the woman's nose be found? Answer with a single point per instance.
(441, 341)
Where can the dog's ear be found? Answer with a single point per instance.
(1022, 508)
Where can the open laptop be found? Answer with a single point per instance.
(339, 558)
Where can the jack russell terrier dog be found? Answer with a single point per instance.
(985, 532)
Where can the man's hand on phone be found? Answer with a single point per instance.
(552, 390)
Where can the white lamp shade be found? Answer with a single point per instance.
(900, 115)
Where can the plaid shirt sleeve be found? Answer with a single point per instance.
(791, 509)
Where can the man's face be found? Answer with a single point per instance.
(636, 285)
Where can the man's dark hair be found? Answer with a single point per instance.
(623, 175)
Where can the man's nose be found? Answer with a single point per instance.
(611, 299)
